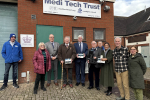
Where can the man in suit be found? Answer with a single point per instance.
(67, 52)
(81, 48)
(52, 48)
(94, 67)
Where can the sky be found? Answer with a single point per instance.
(129, 7)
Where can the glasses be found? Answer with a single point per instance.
(51, 37)
(42, 46)
(132, 49)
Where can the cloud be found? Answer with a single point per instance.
(129, 7)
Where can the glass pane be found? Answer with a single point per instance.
(99, 34)
(77, 33)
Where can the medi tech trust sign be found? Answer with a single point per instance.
(72, 8)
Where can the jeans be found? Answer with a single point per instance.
(7, 68)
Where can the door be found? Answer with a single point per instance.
(8, 25)
(42, 35)
(145, 53)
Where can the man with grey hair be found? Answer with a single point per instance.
(52, 48)
(81, 49)
(92, 56)
(121, 56)
(67, 53)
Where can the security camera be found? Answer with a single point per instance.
(75, 17)
(106, 8)
(101, 1)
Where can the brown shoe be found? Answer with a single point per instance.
(56, 84)
(64, 85)
(71, 85)
(48, 84)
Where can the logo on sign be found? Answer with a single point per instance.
(79, 10)
(27, 39)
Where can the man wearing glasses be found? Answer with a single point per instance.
(52, 48)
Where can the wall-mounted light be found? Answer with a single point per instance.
(101, 2)
(106, 8)
(75, 18)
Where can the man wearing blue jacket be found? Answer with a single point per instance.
(81, 49)
(12, 53)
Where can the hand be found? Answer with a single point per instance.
(62, 62)
(94, 57)
(103, 59)
(53, 58)
(71, 60)
(77, 56)
(19, 60)
(88, 61)
(84, 54)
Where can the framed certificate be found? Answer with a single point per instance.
(81, 55)
(100, 61)
(68, 61)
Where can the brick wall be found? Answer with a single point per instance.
(28, 26)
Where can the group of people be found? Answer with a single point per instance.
(129, 64)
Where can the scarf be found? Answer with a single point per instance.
(105, 51)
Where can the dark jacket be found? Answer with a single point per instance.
(107, 73)
(38, 61)
(97, 54)
(64, 53)
(137, 69)
(12, 54)
(85, 50)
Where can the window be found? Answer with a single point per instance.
(76, 31)
(99, 34)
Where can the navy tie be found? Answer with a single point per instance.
(53, 45)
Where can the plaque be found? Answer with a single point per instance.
(68, 61)
(80, 55)
(100, 61)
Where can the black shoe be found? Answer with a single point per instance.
(15, 85)
(83, 84)
(35, 91)
(90, 87)
(77, 84)
(97, 88)
(3, 87)
(106, 91)
(109, 93)
(44, 89)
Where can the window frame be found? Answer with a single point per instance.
(78, 28)
(94, 29)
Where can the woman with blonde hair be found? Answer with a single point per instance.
(42, 64)
(137, 68)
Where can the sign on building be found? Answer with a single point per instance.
(27, 40)
(72, 8)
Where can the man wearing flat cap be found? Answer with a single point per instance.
(12, 53)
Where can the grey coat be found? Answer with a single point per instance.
(137, 68)
(52, 51)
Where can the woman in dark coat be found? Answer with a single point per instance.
(137, 68)
(107, 75)
(42, 64)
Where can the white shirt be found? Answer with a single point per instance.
(81, 45)
(12, 43)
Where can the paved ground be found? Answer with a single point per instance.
(25, 92)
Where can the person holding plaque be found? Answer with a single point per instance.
(81, 50)
(107, 74)
(93, 65)
(66, 55)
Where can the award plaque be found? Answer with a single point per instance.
(100, 61)
(80, 55)
(68, 61)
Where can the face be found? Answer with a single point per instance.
(12, 39)
(51, 38)
(106, 46)
(42, 46)
(117, 42)
(133, 51)
(66, 40)
(100, 44)
(93, 44)
(79, 39)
